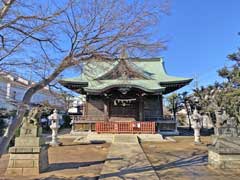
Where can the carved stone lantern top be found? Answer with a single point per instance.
(54, 119)
(197, 119)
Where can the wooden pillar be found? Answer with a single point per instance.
(141, 108)
(160, 104)
(85, 110)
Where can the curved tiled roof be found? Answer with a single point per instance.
(155, 79)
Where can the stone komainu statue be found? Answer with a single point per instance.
(224, 153)
(33, 116)
(29, 156)
(30, 124)
(225, 125)
(230, 127)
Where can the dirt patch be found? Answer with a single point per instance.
(184, 160)
(70, 161)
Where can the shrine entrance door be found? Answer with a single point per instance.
(124, 109)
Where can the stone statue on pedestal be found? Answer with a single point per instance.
(224, 152)
(29, 155)
(196, 124)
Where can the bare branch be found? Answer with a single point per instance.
(6, 6)
(49, 37)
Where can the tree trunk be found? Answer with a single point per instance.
(173, 108)
(189, 119)
(26, 100)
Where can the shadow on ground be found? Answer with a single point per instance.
(197, 160)
(75, 165)
(71, 165)
(64, 178)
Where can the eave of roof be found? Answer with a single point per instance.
(150, 86)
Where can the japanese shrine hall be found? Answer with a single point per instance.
(124, 96)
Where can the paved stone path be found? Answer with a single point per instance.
(126, 160)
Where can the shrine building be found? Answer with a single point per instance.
(124, 96)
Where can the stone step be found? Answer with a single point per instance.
(125, 138)
(151, 138)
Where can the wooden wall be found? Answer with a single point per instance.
(153, 107)
(127, 113)
(94, 108)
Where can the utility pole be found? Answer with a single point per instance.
(196, 81)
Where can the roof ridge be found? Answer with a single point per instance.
(137, 68)
(132, 65)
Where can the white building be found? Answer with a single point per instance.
(12, 90)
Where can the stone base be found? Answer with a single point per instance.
(55, 144)
(198, 143)
(223, 160)
(28, 141)
(171, 133)
(23, 162)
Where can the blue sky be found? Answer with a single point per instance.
(200, 34)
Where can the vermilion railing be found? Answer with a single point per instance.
(126, 127)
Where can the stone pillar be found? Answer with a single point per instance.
(29, 155)
(197, 139)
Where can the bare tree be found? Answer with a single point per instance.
(50, 37)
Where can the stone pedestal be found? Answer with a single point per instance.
(225, 154)
(197, 139)
(54, 141)
(223, 160)
(29, 156)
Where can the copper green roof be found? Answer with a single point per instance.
(149, 76)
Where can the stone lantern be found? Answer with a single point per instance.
(54, 118)
(196, 124)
